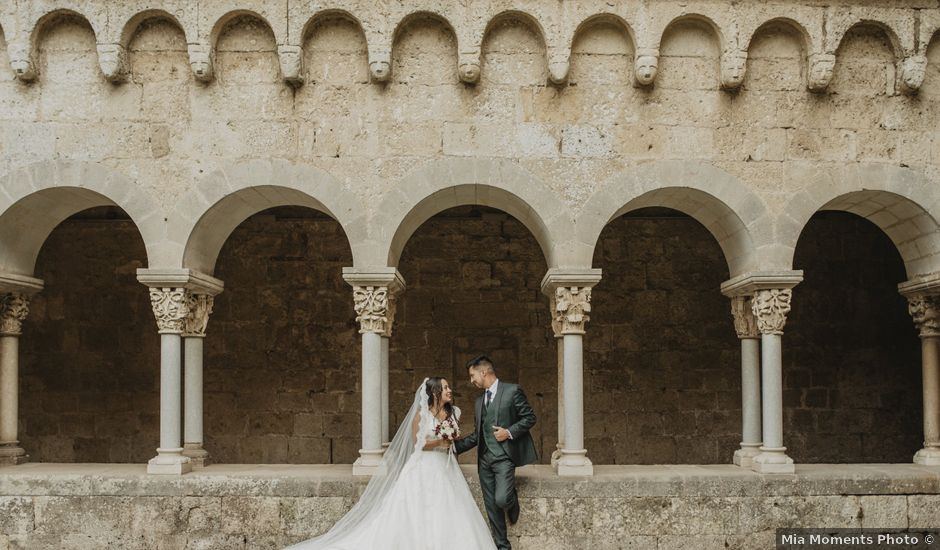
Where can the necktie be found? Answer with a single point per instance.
(486, 403)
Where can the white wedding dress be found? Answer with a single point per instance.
(418, 500)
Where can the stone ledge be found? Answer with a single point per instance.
(534, 481)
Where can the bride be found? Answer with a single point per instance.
(418, 498)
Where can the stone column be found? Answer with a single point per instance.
(386, 344)
(194, 332)
(925, 310)
(770, 308)
(170, 307)
(14, 308)
(745, 324)
(371, 291)
(570, 296)
(560, 338)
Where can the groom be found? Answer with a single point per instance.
(503, 420)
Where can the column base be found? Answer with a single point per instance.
(556, 456)
(744, 457)
(574, 463)
(169, 462)
(367, 463)
(928, 456)
(197, 456)
(773, 460)
(12, 454)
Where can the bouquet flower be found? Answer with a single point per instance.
(447, 429)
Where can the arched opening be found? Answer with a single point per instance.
(851, 366)
(662, 371)
(473, 275)
(282, 347)
(89, 389)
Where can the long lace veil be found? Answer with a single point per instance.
(399, 450)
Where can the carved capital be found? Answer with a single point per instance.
(291, 59)
(14, 308)
(745, 324)
(913, 71)
(200, 308)
(112, 58)
(390, 314)
(770, 307)
(468, 66)
(21, 61)
(570, 308)
(200, 59)
(170, 308)
(821, 67)
(733, 65)
(372, 308)
(646, 64)
(925, 310)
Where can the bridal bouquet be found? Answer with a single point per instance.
(448, 429)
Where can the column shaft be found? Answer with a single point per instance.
(750, 402)
(10, 451)
(574, 459)
(371, 452)
(169, 459)
(385, 403)
(772, 458)
(930, 367)
(9, 392)
(561, 400)
(192, 398)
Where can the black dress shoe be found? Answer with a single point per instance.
(513, 513)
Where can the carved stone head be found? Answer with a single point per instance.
(200, 59)
(646, 64)
(733, 64)
(913, 71)
(821, 66)
(113, 61)
(558, 71)
(469, 68)
(380, 66)
(21, 61)
(291, 60)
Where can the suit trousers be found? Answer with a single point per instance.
(498, 482)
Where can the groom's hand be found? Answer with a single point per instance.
(501, 434)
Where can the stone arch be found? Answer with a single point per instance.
(708, 22)
(735, 216)
(48, 20)
(518, 15)
(207, 215)
(322, 15)
(601, 18)
(897, 200)
(896, 47)
(460, 182)
(228, 17)
(806, 41)
(35, 199)
(133, 24)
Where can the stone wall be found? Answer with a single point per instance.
(662, 379)
(643, 508)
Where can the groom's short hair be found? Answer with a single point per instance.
(483, 362)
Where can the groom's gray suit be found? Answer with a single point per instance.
(497, 461)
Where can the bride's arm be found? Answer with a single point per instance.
(428, 445)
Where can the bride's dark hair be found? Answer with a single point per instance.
(435, 390)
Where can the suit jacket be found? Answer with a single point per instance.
(514, 413)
